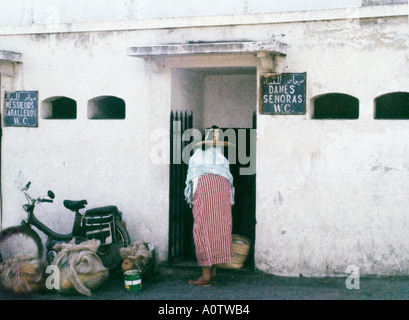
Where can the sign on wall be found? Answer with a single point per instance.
(283, 93)
(21, 109)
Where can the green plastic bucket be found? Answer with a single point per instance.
(133, 280)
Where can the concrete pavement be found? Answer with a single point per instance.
(241, 294)
(170, 283)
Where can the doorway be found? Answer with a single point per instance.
(202, 97)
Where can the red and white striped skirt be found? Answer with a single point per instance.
(212, 225)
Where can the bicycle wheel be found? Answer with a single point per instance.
(20, 241)
(109, 254)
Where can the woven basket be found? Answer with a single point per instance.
(240, 248)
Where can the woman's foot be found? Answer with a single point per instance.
(204, 280)
(201, 282)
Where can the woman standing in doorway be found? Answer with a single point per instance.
(209, 189)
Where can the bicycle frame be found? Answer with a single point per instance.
(82, 231)
(32, 220)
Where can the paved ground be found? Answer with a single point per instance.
(171, 284)
(236, 293)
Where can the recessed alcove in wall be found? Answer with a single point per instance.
(394, 105)
(59, 108)
(106, 107)
(335, 106)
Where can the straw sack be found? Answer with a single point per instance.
(81, 270)
(137, 256)
(22, 274)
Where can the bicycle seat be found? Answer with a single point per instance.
(75, 205)
(102, 210)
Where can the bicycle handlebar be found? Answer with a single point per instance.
(32, 199)
(27, 186)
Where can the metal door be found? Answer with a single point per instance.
(181, 246)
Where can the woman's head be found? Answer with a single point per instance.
(211, 135)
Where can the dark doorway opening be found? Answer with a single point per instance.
(181, 246)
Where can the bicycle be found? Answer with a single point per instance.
(102, 223)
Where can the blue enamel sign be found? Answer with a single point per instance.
(21, 109)
(283, 93)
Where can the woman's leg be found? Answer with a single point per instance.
(213, 273)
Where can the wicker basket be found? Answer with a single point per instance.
(240, 248)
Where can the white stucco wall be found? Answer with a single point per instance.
(330, 193)
(187, 94)
(103, 161)
(229, 100)
(70, 11)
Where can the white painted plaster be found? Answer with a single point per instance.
(330, 193)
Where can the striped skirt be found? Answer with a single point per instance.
(212, 225)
